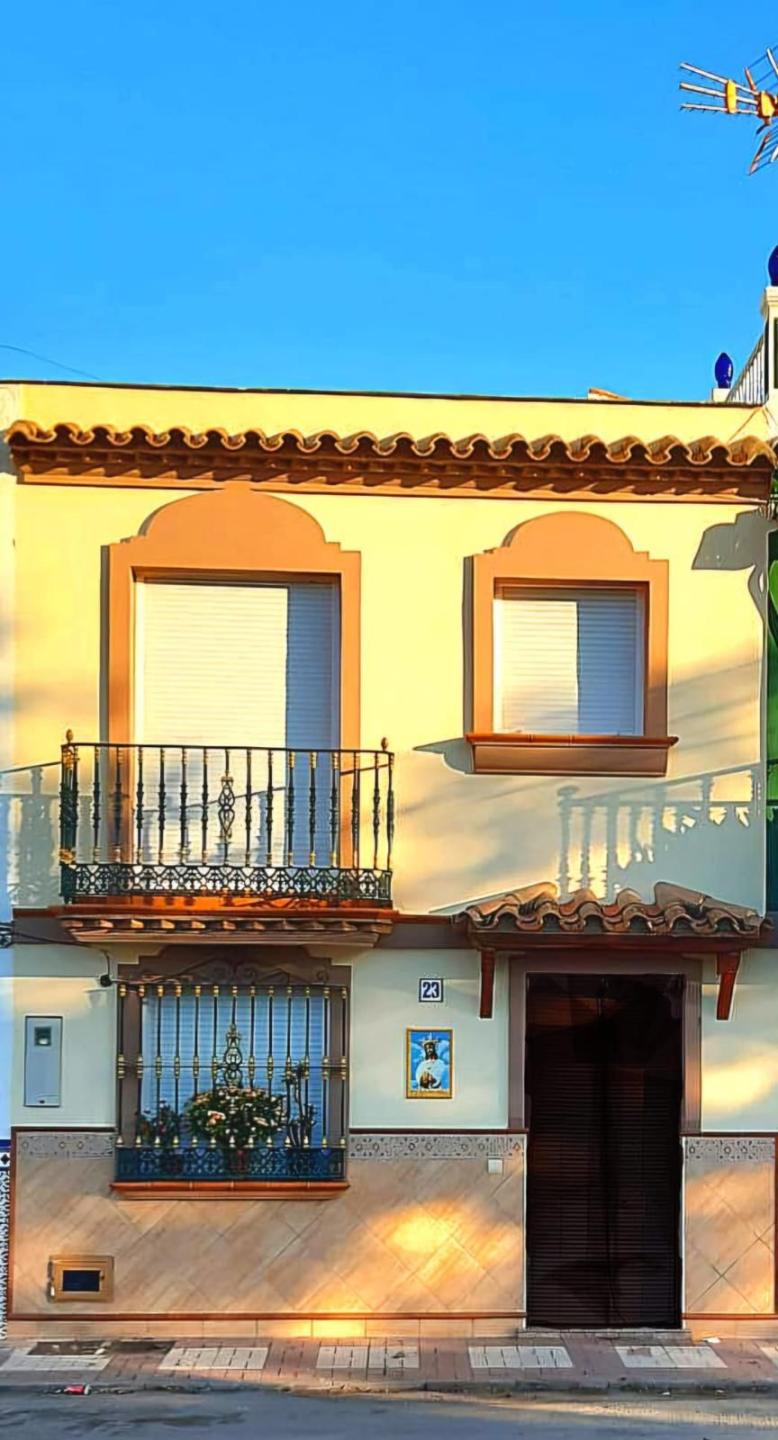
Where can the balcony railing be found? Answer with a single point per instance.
(752, 384)
(262, 822)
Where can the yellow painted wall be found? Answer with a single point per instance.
(271, 411)
(384, 1002)
(63, 980)
(459, 836)
(740, 1055)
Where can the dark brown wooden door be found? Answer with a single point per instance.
(604, 1080)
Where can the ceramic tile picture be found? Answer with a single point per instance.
(429, 1064)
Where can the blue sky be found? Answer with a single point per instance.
(424, 195)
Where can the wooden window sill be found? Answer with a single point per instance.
(519, 754)
(228, 1189)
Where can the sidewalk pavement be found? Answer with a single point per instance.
(668, 1363)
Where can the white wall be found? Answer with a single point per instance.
(63, 980)
(740, 1055)
(385, 988)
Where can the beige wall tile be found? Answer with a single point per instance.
(282, 1329)
(392, 1329)
(411, 1234)
(443, 1328)
(338, 1329)
(729, 1225)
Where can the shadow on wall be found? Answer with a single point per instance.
(630, 838)
(741, 545)
(29, 834)
(704, 831)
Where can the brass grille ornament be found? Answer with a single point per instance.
(232, 1059)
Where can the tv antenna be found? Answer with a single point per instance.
(754, 99)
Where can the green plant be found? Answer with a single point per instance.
(163, 1127)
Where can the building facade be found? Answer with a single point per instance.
(384, 844)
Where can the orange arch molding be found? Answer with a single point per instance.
(232, 533)
(570, 548)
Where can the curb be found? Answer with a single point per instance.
(425, 1389)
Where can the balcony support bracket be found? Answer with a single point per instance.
(486, 1007)
(727, 967)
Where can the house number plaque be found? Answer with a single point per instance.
(431, 992)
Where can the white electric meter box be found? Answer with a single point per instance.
(43, 1060)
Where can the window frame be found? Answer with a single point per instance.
(556, 552)
(231, 534)
(188, 966)
(506, 590)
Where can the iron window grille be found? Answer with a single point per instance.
(240, 1054)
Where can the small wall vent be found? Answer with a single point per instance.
(81, 1277)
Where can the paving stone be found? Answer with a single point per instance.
(21, 1361)
(519, 1357)
(670, 1357)
(694, 1357)
(396, 1356)
(342, 1357)
(215, 1357)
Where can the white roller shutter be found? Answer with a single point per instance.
(568, 661)
(221, 664)
(220, 668)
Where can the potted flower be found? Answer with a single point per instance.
(162, 1129)
(161, 1132)
(236, 1118)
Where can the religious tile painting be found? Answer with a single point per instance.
(429, 1064)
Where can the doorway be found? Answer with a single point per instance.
(604, 1074)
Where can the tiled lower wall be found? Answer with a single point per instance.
(729, 1261)
(423, 1229)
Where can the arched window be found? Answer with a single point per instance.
(569, 657)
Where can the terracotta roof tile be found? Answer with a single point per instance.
(673, 911)
(549, 449)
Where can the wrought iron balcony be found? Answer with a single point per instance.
(267, 823)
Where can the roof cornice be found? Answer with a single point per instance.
(706, 469)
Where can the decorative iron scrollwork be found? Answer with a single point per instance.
(225, 809)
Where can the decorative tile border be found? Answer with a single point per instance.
(5, 1225)
(66, 1144)
(100, 1145)
(432, 1146)
(730, 1149)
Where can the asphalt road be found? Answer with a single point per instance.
(269, 1416)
